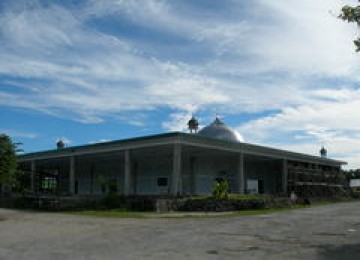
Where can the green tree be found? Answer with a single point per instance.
(8, 163)
(351, 14)
(351, 174)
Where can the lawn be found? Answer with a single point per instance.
(123, 213)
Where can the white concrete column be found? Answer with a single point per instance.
(284, 176)
(240, 173)
(32, 175)
(127, 174)
(192, 176)
(72, 176)
(176, 174)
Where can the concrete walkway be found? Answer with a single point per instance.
(324, 232)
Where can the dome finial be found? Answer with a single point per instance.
(217, 120)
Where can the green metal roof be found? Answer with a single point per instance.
(190, 139)
(251, 148)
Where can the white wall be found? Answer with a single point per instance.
(354, 183)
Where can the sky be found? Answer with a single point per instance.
(282, 73)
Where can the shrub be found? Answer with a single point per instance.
(220, 189)
(112, 201)
(356, 194)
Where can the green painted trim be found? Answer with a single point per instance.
(102, 144)
(244, 147)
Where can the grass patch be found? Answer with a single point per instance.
(114, 213)
(248, 212)
(232, 196)
(267, 211)
(246, 196)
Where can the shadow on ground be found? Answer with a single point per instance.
(344, 252)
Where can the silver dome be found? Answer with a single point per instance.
(219, 130)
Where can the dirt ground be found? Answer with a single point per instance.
(323, 232)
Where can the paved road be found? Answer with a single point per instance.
(326, 232)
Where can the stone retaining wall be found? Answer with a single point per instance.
(147, 203)
(219, 205)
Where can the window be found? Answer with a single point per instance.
(49, 183)
(162, 182)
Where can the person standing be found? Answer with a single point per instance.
(293, 198)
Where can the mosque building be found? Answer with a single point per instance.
(180, 164)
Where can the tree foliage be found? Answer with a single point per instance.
(351, 174)
(351, 14)
(8, 162)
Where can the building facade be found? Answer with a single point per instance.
(178, 164)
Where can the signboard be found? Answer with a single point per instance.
(252, 186)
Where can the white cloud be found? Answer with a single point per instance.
(307, 38)
(100, 141)
(305, 128)
(18, 134)
(322, 115)
(295, 58)
(107, 75)
(177, 122)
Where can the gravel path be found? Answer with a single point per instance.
(324, 232)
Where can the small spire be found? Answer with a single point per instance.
(217, 121)
(193, 124)
(60, 144)
(323, 152)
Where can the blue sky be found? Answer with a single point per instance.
(283, 73)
